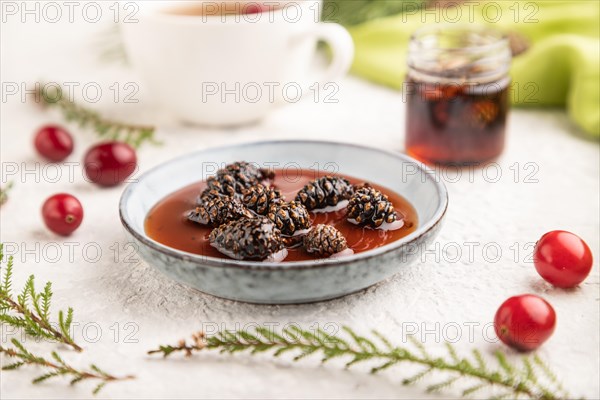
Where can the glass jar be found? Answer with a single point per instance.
(456, 92)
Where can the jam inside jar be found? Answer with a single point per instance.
(457, 93)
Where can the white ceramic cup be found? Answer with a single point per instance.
(232, 69)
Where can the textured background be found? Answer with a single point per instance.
(125, 308)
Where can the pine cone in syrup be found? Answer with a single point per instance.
(324, 192)
(209, 194)
(223, 184)
(247, 172)
(289, 217)
(235, 178)
(214, 210)
(247, 239)
(370, 207)
(324, 240)
(259, 198)
(227, 185)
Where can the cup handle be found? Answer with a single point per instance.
(342, 48)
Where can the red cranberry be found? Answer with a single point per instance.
(110, 163)
(62, 213)
(562, 258)
(525, 322)
(53, 142)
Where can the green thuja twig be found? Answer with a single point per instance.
(111, 46)
(56, 367)
(30, 310)
(134, 135)
(4, 193)
(528, 379)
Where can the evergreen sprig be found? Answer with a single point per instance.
(56, 367)
(530, 378)
(4, 193)
(132, 134)
(30, 310)
(112, 49)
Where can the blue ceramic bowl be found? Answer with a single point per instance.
(291, 282)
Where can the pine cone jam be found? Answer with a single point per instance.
(218, 210)
(324, 240)
(232, 233)
(369, 207)
(457, 95)
(247, 239)
(325, 193)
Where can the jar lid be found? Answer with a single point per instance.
(471, 53)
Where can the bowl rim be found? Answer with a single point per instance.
(144, 239)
